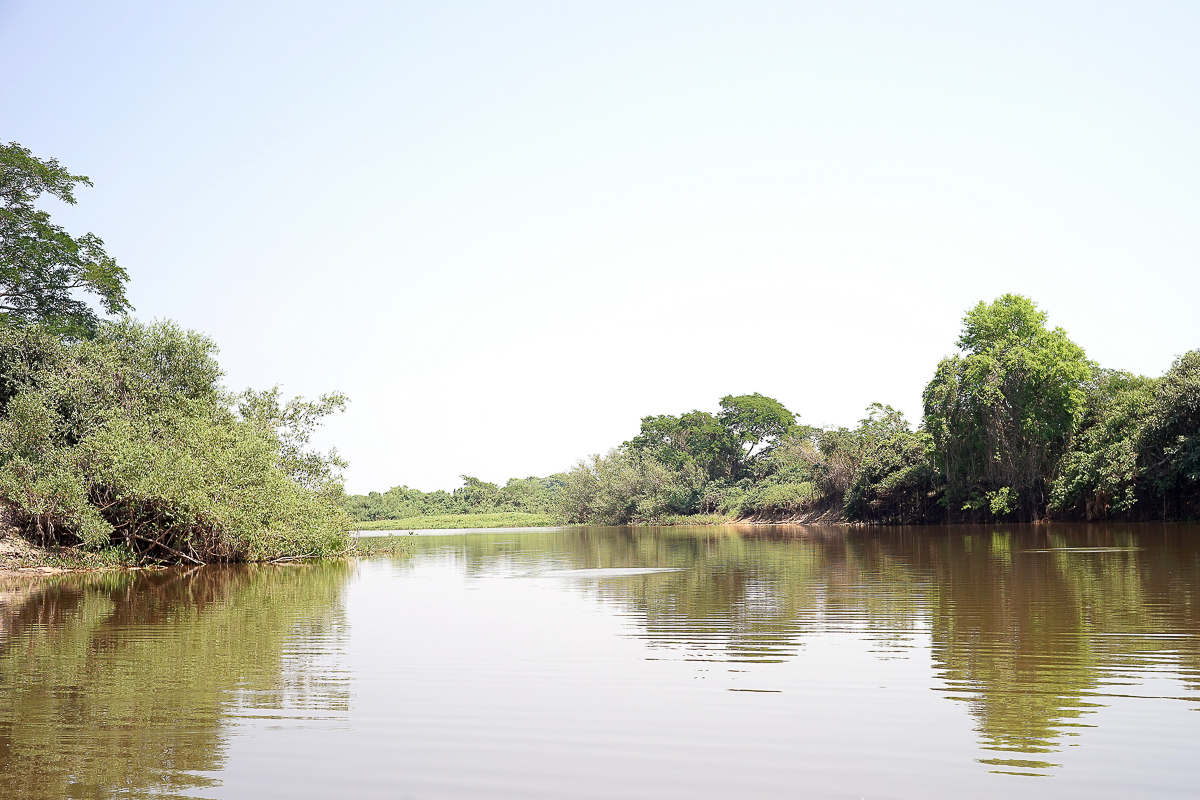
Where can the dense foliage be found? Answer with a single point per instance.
(1136, 452)
(881, 470)
(1018, 425)
(128, 441)
(1001, 413)
(117, 438)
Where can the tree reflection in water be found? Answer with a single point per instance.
(133, 683)
(1031, 626)
(126, 682)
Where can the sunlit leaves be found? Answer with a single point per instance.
(1001, 412)
(42, 267)
(129, 439)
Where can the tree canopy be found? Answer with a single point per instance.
(756, 423)
(117, 438)
(43, 269)
(1019, 425)
(696, 440)
(1001, 411)
(1170, 442)
(530, 495)
(722, 445)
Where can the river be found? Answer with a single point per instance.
(719, 662)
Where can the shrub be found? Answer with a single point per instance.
(129, 439)
(626, 486)
(770, 498)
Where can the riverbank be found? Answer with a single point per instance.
(504, 519)
(499, 521)
(19, 556)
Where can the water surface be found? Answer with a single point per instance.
(728, 662)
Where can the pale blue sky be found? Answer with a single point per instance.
(509, 230)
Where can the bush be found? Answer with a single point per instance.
(772, 499)
(626, 486)
(129, 439)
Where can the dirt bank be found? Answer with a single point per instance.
(19, 557)
(827, 515)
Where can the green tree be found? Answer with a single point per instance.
(1170, 446)
(1101, 473)
(722, 446)
(476, 496)
(290, 425)
(1002, 410)
(625, 486)
(756, 423)
(42, 267)
(894, 476)
(529, 495)
(128, 440)
(693, 440)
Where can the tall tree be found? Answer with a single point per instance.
(1000, 412)
(43, 269)
(696, 439)
(756, 423)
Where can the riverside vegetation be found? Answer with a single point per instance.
(1019, 426)
(118, 442)
(520, 503)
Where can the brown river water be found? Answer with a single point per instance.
(721, 662)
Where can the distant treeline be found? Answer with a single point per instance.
(1018, 426)
(525, 495)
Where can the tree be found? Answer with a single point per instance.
(291, 426)
(42, 267)
(1170, 446)
(894, 476)
(476, 496)
(694, 440)
(720, 446)
(754, 422)
(621, 487)
(1101, 473)
(1001, 412)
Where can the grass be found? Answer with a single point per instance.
(503, 519)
